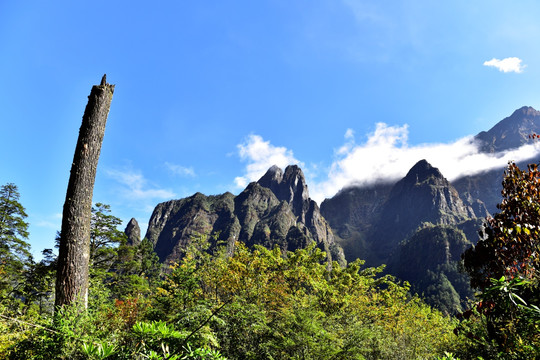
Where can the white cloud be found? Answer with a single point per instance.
(135, 186)
(386, 155)
(511, 64)
(349, 134)
(260, 156)
(180, 170)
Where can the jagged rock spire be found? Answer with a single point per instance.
(133, 232)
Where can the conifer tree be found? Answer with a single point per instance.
(14, 248)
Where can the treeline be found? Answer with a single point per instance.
(258, 303)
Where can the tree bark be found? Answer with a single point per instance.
(74, 253)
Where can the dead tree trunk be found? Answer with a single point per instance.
(74, 253)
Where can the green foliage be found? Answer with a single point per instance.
(99, 351)
(510, 246)
(505, 322)
(256, 304)
(264, 304)
(104, 237)
(135, 272)
(447, 356)
(39, 281)
(14, 248)
(438, 277)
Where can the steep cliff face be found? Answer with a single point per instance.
(422, 196)
(276, 210)
(289, 186)
(352, 213)
(174, 223)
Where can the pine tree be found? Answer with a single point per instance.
(104, 237)
(14, 249)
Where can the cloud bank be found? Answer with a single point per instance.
(260, 156)
(510, 64)
(385, 156)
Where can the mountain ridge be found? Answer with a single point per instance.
(274, 211)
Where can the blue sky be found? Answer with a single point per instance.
(209, 94)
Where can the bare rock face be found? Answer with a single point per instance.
(372, 221)
(483, 191)
(289, 186)
(174, 223)
(422, 196)
(511, 132)
(276, 210)
(133, 232)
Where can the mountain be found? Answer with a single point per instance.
(511, 132)
(360, 215)
(484, 190)
(352, 213)
(418, 226)
(422, 196)
(378, 218)
(276, 210)
(421, 224)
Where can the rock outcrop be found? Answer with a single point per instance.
(422, 196)
(276, 210)
(372, 221)
(133, 232)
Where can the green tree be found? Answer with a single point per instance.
(267, 304)
(104, 237)
(136, 270)
(504, 266)
(14, 248)
(38, 288)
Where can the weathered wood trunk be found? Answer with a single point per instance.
(74, 253)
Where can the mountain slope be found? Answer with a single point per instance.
(422, 196)
(511, 132)
(388, 215)
(276, 210)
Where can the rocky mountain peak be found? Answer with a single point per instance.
(525, 111)
(423, 196)
(423, 167)
(276, 210)
(511, 132)
(133, 232)
(272, 177)
(290, 186)
(422, 173)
